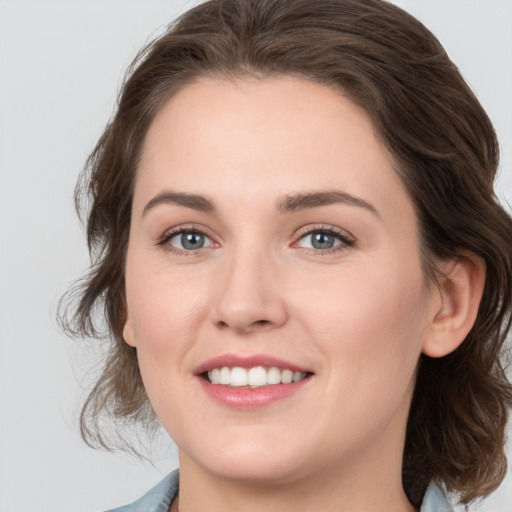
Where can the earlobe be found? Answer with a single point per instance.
(128, 334)
(460, 288)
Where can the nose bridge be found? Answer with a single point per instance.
(250, 295)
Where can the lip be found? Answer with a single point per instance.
(251, 398)
(244, 397)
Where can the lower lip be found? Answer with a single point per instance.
(251, 398)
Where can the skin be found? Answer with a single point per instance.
(357, 315)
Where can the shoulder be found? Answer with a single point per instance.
(158, 499)
(435, 500)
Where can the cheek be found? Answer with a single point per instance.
(164, 308)
(371, 322)
(164, 314)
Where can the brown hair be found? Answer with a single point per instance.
(445, 151)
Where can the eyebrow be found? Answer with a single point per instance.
(194, 201)
(304, 201)
(290, 203)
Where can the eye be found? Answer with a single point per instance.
(324, 240)
(186, 240)
(320, 240)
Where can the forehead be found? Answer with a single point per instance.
(265, 138)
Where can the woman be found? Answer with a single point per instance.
(305, 273)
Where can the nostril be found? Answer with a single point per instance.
(244, 327)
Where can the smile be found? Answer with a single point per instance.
(246, 382)
(255, 377)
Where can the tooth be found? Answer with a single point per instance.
(286, 376)
(225, 376)
(298, 376)
(273, 376)
(214, 376)
(238, 376)
(257, 376)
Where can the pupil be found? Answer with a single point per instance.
(322, 241)
(192, 240)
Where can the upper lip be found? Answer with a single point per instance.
(232, 360)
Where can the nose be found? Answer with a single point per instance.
(251, 294)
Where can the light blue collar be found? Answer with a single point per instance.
(435, 500)
(158, 499)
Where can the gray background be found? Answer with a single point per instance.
(60, 67)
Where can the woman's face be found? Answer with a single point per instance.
(271, 240)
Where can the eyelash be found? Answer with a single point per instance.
(346, 240)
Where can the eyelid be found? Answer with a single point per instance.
(327, 228)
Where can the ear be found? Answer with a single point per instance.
(128, 333)
(460, 285)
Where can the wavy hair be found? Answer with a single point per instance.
(446, 153)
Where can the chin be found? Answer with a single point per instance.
(249, 461)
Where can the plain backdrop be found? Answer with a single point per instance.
(60, 69)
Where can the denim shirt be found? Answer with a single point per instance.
(159, 498)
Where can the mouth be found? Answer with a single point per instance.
(254, 377)
(249, 382)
